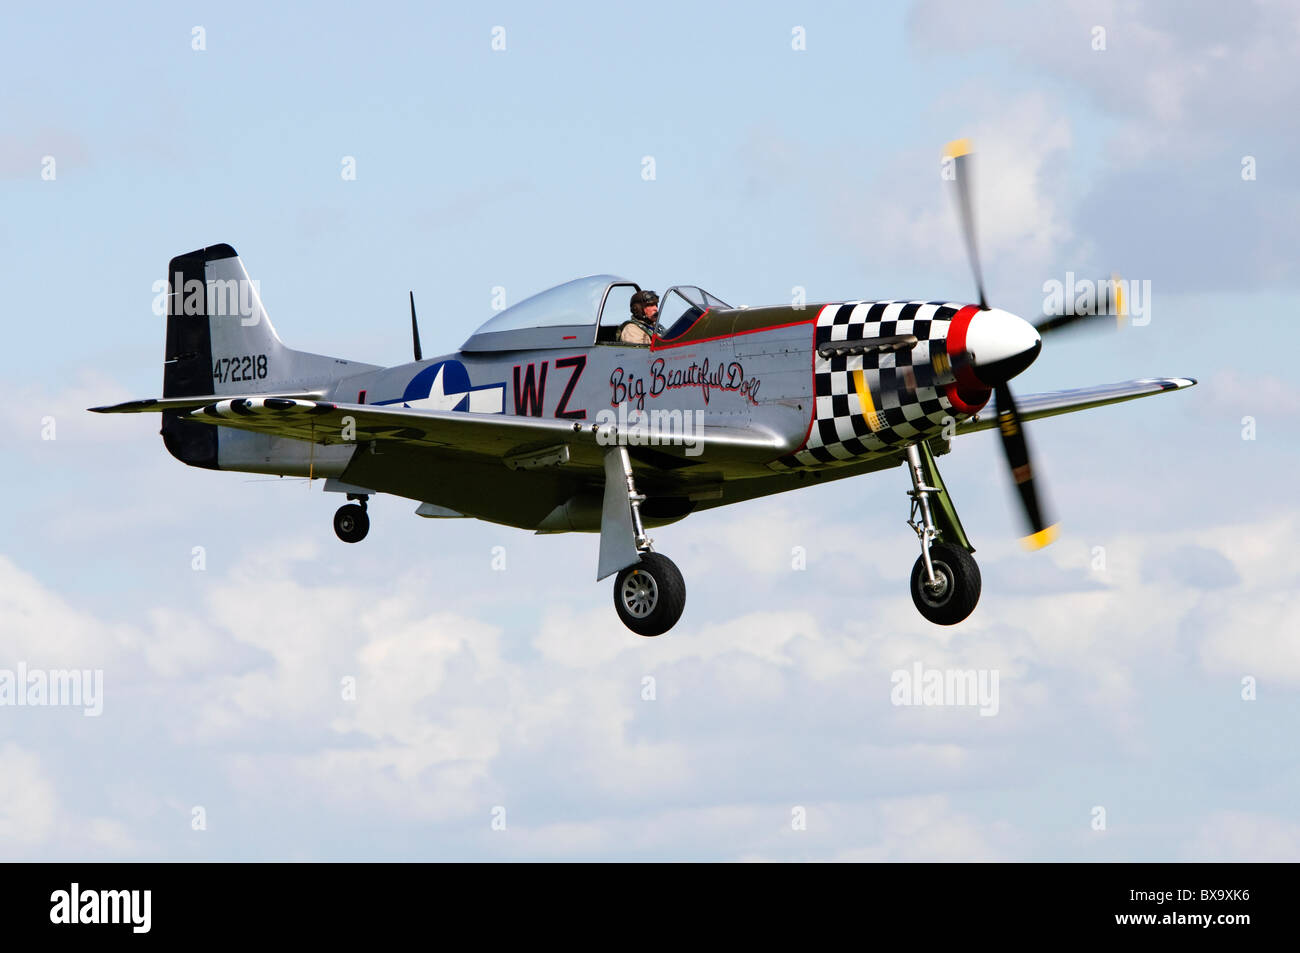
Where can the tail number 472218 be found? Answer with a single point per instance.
(245, 367)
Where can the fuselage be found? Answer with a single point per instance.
(796, 373)
(743, 367)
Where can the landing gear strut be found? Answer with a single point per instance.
(351, 524)
(649, 592)
(945, 579)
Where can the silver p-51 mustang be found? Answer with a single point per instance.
(549, 418)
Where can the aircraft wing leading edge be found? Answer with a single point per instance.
(1050, 404)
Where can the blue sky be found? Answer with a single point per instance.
(775, 168)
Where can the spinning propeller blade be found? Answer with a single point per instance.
(1109, 305)
(959, 151)
(995, 375)
(1041, 530)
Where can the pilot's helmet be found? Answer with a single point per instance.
(642, 300)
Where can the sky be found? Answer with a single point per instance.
(457, 690)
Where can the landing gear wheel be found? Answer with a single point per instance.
(956, 589)
(351, 524)
(650, 596)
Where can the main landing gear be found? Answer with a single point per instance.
(945, 579)
(649, 592)
(651, 595)
(351, 524)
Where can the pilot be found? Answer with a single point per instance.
(641, 328)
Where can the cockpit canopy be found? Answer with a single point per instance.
(574, 313)
(682, 305)
(562, 316)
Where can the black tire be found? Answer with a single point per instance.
(351, 524)
(960, 577)
(651, 595)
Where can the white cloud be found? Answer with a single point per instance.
(927, 829)
(25, 414)
(38, 626)
(1206, 65)
(908, 214)
(28, 798)
(1243, 836)
(1178, 97)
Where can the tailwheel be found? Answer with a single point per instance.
(650, 595)
(351, 524)
(956, 587)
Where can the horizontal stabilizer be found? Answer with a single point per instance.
(185, 403)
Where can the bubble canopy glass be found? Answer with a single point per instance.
(572, 303)
(554, 317)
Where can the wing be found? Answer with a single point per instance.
(1083, 398)
(521, 440)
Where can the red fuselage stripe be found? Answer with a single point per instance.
(735, 334)
(812, 411)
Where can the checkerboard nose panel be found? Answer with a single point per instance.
(867, 403)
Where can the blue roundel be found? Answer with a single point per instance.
(455, 380)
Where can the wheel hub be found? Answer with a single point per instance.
(640, 594)
(937, 593)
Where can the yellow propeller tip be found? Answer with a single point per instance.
(958, 147)
(1042, 538)
(1120, 310)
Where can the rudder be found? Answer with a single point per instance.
(220, 341)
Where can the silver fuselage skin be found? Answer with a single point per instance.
(759, 372)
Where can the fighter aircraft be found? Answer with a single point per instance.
(550, 417)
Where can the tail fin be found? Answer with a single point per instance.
(221, 341)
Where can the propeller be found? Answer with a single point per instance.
(1016, 448)
(1111, 305)
(959, 150)
(996, 373)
